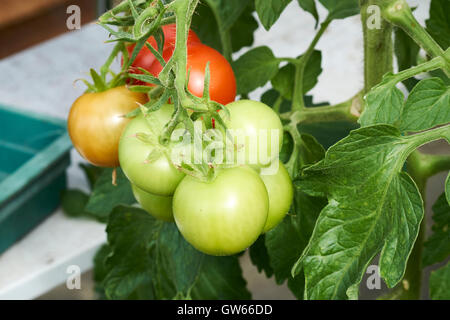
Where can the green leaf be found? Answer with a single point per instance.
(310, 6)
(311, 151)
(284, 80)
(287, 148)
(260, 257)
(271, 96)
(438, 25)
(406, 51)
(220, 278)
(437, 246)
(441, 75)
(92, 173)
(215, 19)
(148, 252)
(383, 103)
(270, 10)
(328, 133)
(106, 196)
(254, 69)
(242, 30)
(100, 269)
(297, 286)
(427, 106)
(340, 9)
(149, 259)
(447, 188)
(372, 206)
(73, 203)
(288, 240)
(440, 283)
(227, 11)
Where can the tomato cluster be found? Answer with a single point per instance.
(226, 214)
(222, 214)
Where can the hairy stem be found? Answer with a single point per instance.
(347, 111)
(300, 65)
(429, 165)
(433, 64)
(183, 9)
(378, 53)
(399, 13)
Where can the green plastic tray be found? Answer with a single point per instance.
(34, 155)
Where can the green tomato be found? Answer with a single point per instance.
(224, 216)
(257, 131)
(281, 193)
(157, 176)
(159, 207)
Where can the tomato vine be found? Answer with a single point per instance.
(354, 198)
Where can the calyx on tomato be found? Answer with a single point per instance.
(153, 174)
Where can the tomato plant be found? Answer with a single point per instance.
(96, 121)
(333, 188)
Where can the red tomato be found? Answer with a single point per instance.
(145, 57)
(222, 85)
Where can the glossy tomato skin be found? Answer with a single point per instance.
(96, 122)
(145, 57)
(224, 216)
(249, 119)
(222, 86)
(158, 176)
(159, 207)
(281, 193)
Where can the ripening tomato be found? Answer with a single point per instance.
(145, 57)
(159, 207)
(96, 121)
(157, 175)
(224, 216)
(222, 85)
(281, 192)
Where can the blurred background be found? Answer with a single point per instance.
(40, 57)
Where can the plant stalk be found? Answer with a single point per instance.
(300, 65)
(378, 52)
(399, 13)
(346, 111)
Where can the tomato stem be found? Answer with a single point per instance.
(399, 13)
(348, 111)
(183, 9)
(378, 53)
(298, 103)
